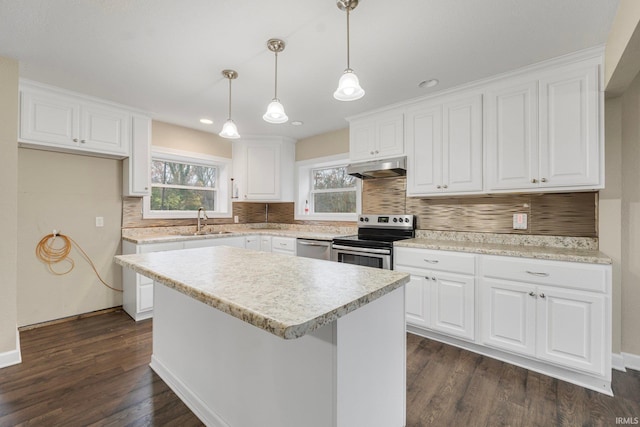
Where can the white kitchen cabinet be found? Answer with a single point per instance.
(283, 245)
(543, 130)
(263, 169)
(441, 293)
(444, 146)
(137, 296)
(252, 242)
(52, 119)
(376, 136)
(265, 243)
(235, 241)
(137, 167)
(552, 311)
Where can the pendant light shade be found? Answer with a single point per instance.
(275, 111)
(229, 129)
(349, 86)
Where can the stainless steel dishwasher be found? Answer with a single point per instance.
(318, 249)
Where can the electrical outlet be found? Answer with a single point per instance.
(99, 221)
(520, 221)
(236, 219)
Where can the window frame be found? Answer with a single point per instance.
(222, 190)
(304, 171)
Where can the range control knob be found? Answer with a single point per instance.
(395, 219)
(366, 219)
(361, 219)
(406, 220)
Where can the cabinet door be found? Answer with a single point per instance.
(417, 301)
(137, 167)
(252, 242)
(424, 150)
(390, 136)
(48, 118)
(104, 129)
(265, 243)
(571, 329)
(145, 297)
(462, 145)
(452, 304)
(512, 137)
(362, 143)
(263, 171)
(509, 316)
(569, 128)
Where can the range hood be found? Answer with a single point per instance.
(379, 168)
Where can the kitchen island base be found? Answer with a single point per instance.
(348, 373)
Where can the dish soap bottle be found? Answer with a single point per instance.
(306, 207)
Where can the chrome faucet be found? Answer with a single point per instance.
(204, 220)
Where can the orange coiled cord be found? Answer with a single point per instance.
(50, 253)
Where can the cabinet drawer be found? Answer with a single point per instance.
(573, 275)
(435, 260)
(283, 244)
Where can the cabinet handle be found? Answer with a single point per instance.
(445, 186)
(377, 151)
(438, 186)
(431, 261)
(532, 294)
(83, 141)
(535, 273)
(543, 180)
(146, 188)
(534, 181)
(542, 296)
(372, 153)
(433, 278)
(75, 139)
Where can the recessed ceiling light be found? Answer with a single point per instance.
(297, 123)
(428, 83)
(206, 121)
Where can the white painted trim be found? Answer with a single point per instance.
(617, 362)
(11, 357)
(631, 361)
(193, 402)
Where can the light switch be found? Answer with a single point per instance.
(520, 221)
(99, 221)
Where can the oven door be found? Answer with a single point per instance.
(369, 257)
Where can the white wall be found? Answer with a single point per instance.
(8, 208)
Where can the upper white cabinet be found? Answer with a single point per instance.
(543, 130)
(53, 119)
(263, 169)
(377, 136)
(137, 167)
(444, 146)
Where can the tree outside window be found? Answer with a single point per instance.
(333, 190)
(182, 186)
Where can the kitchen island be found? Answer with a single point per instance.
(249, 338)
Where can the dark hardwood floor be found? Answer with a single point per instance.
(94, 371)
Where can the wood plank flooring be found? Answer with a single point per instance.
(94, 372)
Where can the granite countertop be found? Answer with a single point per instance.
(592, 256)
(160, 238)
(284, 295)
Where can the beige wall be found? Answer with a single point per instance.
(323, 145)
(180, 138)
(631, 218)
(610, 210)
(622, 54)
(8, 203)
(67, 192)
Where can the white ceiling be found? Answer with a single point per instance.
(166, 56)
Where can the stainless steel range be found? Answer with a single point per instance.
(373, 246)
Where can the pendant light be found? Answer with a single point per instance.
(348, 87)
(229, 129)
(275, 111)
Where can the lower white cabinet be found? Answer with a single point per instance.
(137, 295)
(252, 242)
(441, 293)
(547, 312)
(235, 241)
(265, 243)
(283, 245)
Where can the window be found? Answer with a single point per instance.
(181, 183)
(327, 190)
(333, 191)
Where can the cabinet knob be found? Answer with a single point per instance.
(377, 151)
(75, 139)
(532, 294)
(83, 141)
(543, 180)
(146, 188)
(445, 186)
(542, 296)
(534, 181)
(438, 186)
(433, 278)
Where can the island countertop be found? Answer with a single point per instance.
(285, 295)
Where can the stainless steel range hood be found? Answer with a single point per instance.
(379, 168)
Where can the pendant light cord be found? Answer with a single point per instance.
(276, 77)
(348, 50)
(229, 118)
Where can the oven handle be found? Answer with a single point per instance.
(364, 250)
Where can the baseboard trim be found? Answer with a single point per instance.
(631, 361)
(617, 362)
(11, 357)
(70, 318)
